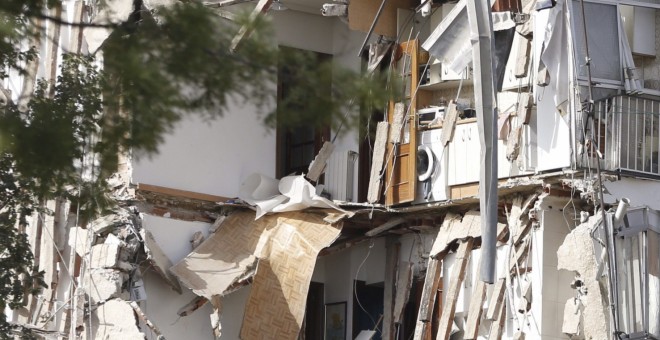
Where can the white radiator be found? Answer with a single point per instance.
(339, 175)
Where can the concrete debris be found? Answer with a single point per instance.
(196, 240)
(143, 317)
(115, 319)
(107, 223)
(192, 306)
(519, 336)
(397, 123)
(80, 240)
(218, 222)
(215, 317)
(572, 316)
(377, 161)
(456, 228)
(105, 256)
(318, 165)
(159, 260)
(104, 284)
(577, 254)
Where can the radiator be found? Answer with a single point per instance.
(340, 174)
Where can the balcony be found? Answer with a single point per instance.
(627, 134)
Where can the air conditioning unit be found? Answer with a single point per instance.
(340, 175)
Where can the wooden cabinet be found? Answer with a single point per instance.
(401, 175)
(463, 152)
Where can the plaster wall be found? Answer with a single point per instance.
(557, 219)
(215, 156)
(640, 192)
(162, 302)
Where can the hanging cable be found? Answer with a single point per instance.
(590, 119)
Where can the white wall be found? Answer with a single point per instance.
(215, 157)
(556, 223)
(212, 157)
(163, 302)
(640, 192)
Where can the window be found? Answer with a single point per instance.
(299, 135)
(603, 39)
(622, 45)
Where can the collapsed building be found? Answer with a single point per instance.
(378, 235)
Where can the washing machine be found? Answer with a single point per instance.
(431, 168)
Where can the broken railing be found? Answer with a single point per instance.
(626, 132)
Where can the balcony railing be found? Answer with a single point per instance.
(627, 134)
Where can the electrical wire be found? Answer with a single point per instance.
(357, 299)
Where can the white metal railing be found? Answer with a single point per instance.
(626, 133)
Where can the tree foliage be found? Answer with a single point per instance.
(157, 66)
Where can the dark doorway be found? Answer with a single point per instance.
(369, 297)
(314, 312)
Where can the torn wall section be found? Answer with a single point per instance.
(283, 247)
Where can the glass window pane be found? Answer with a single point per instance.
(603, 38)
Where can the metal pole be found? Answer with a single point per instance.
(371, 29)
(590, 115)
(481, 28)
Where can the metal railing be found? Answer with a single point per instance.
(626, 133)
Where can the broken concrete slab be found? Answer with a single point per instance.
(104, 284)
(105, 256)
(572, 316)
(577, 254)
(159, 259)
(80, 240)
(115, 319)
(454, 227)
(196, 240)
(377, 161)
(318, 165)
(217, 224)
(107, 223)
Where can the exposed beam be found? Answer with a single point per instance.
(455, 282)
(180, 193)
(246, 30)
(223, 3)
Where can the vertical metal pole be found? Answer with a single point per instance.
(481, 29)
(590, 114)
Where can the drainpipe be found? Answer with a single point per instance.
(481, 29)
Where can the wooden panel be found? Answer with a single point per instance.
(181, 193)
(507, 5)
(361, 14)
(463, 191)
(455, 283)
(402, 170)
(471, 328)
